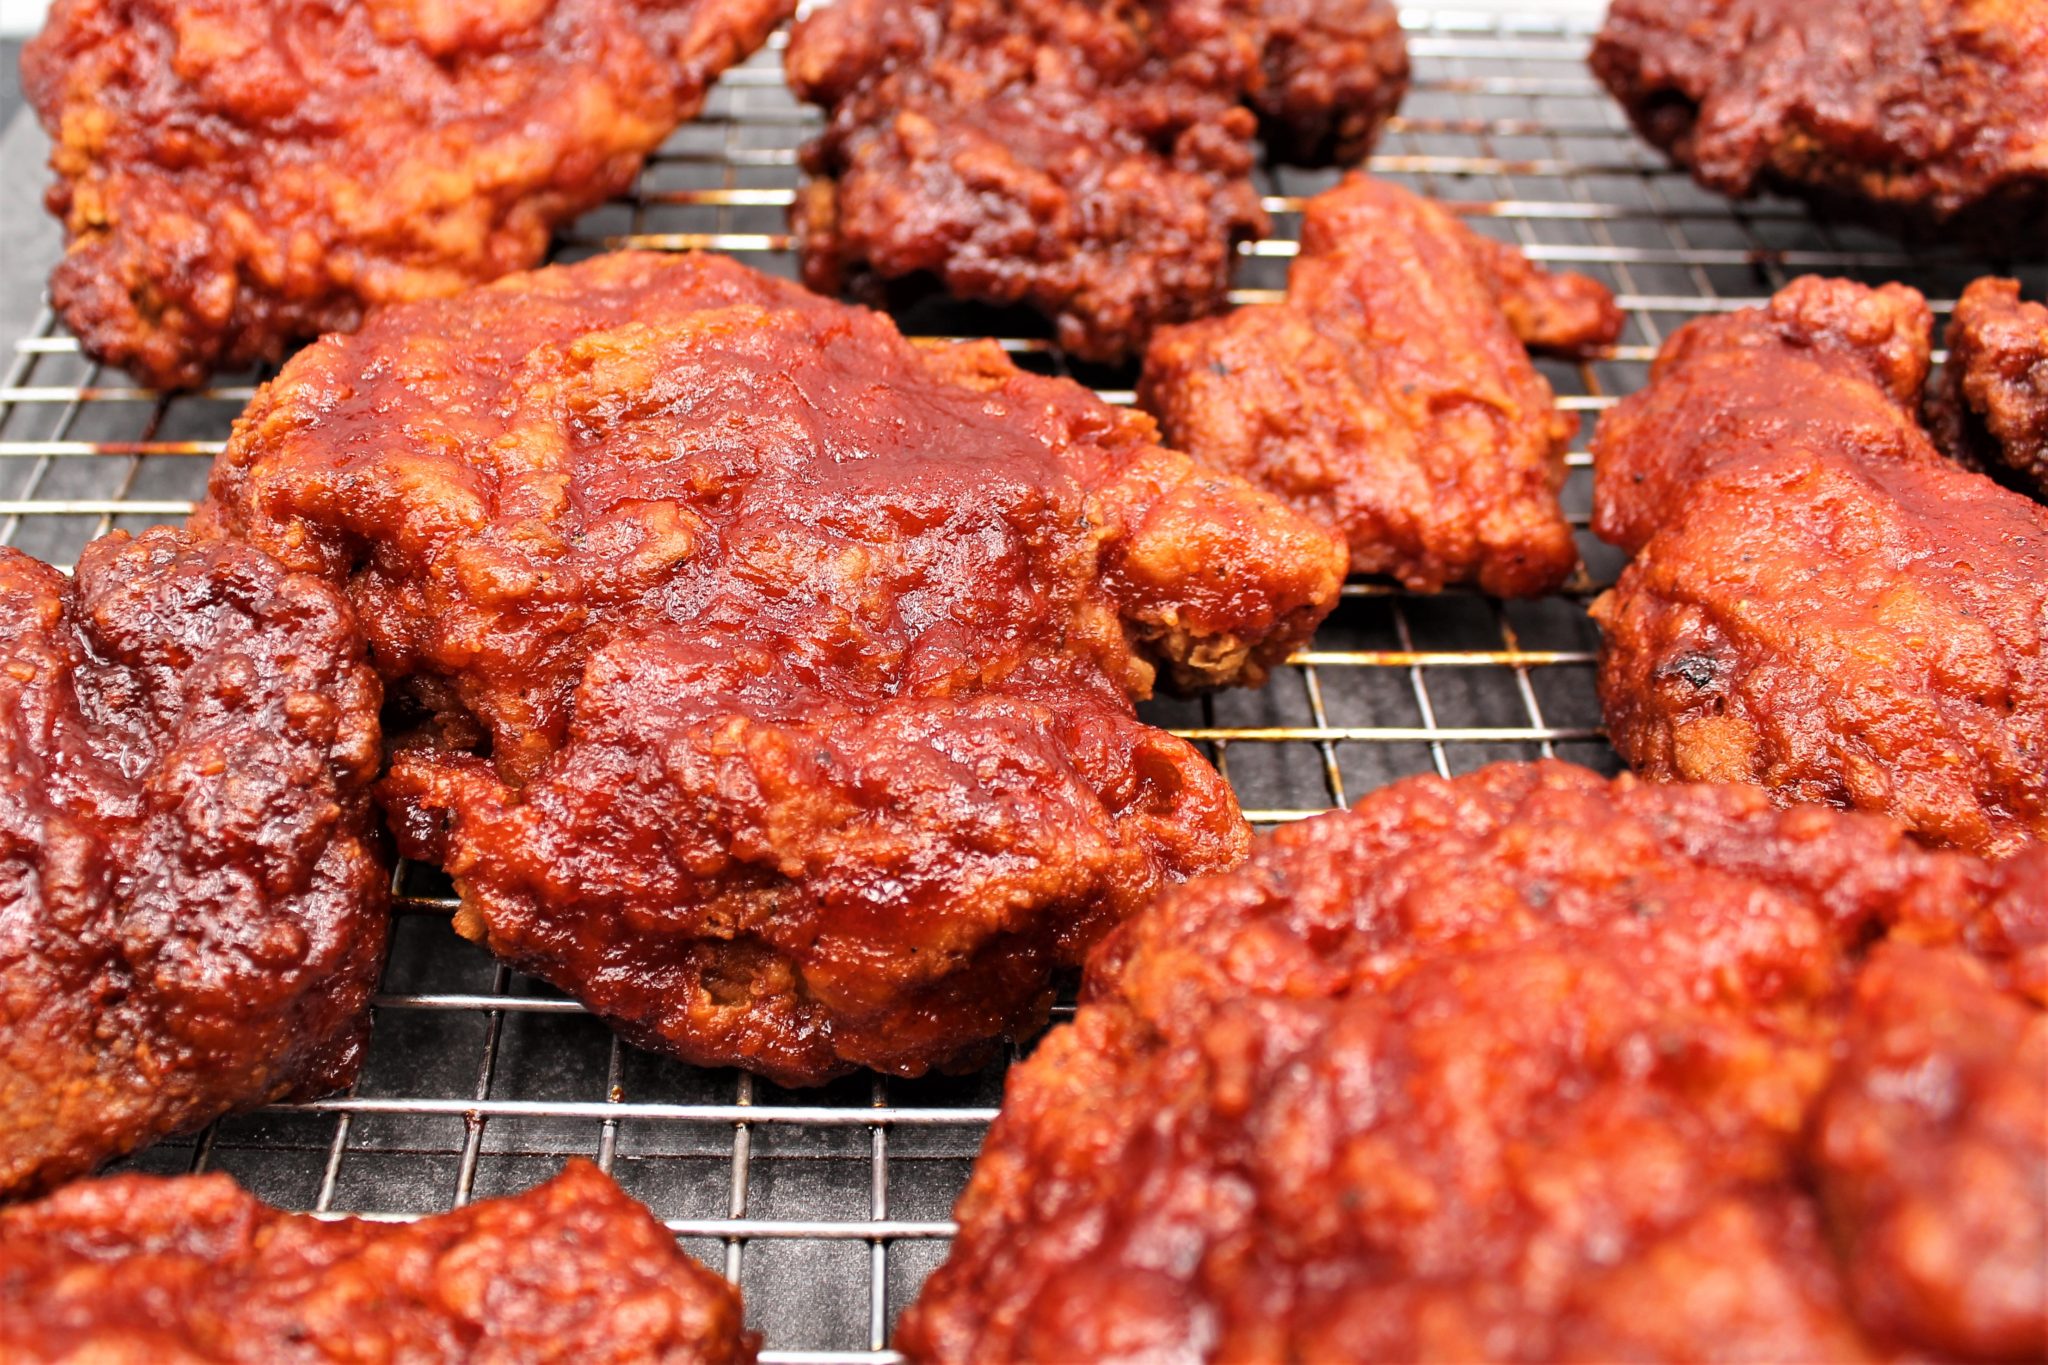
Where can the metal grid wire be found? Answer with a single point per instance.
(830, 1206)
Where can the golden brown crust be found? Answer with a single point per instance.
(1389, 398)
(1934, 115)
(802, 656)
(1090, 161)
(1516, 1066)
(234, 177)
(192, 891)
(135, 1268)
(1820, 603)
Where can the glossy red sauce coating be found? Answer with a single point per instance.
(138, 1268)
(771, 676)
(1932, 117)
(235, 176)
(1530, 1065)
(1390, 397)
(1820, 603)
(1091, 161)
(1990, 411)
(192, 889)
(1932, 1157)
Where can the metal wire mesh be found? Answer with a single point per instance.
(830, 1206)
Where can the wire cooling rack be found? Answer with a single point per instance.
(830, 1206)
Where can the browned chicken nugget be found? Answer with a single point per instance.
(136, 1268)
(1519, 1066)
(1934, 115)
(1389, 398)
(235, 176)
(1091, 161)
(1820, 602)
(777, 673)
(192, 897)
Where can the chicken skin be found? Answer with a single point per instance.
(1091, 161)
(192, 894)
(135, 1268)
(1390, 397)
(1820, 603)
(1442, 1077)
(1990, 411)
(235, 176)
(773, 676)
(1932, 114)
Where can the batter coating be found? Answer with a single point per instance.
(192, 891)
(235, 176)
(196, 1269)
(773, 675)
(1523, 1066)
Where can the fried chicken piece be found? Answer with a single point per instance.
(802, 657)
(136, 1268)
(1090, 161)
(1924, 115)
(235, 176)
(1335, 71)
(1388, 396)
(1991, 409)
(1820, 603)
(1516, 1066)
(1934, 1168)
(192, 893)
(1569, 315)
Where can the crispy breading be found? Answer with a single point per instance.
(1932, 1159)
(1932, 116)
(1990, 409)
